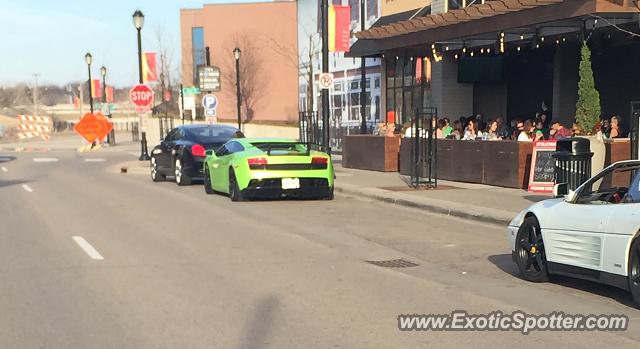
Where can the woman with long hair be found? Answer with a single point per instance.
(525, 134)
(616, 127)
(472, 132)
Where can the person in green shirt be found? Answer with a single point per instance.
(447, 129)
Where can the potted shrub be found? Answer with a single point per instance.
(588, 109)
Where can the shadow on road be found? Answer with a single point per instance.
(6, 158)
(504, 263)
(536, 198)
(12, 182)
(260, 322)
(616, 294)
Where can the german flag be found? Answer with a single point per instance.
(149, 67)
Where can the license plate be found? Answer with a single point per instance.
(290, 183)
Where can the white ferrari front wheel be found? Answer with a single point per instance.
(530, 252)
(634, 271)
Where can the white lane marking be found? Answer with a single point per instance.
(94, 160)
(87, 248)
(4, 169)
(27, 188)
(45, 159)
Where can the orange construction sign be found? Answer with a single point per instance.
(93, 126)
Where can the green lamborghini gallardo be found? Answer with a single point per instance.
(247, 168)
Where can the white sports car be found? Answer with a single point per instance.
(591, 233)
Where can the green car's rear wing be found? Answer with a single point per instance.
(283, 148)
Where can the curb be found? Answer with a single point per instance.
(431, 205)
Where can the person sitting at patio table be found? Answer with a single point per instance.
(492, 134)
(525, 134)
(447, 129)
(472, 132)
(558, 131)
(616, 131)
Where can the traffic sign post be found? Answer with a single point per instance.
(142, 97)
(209, 78)
(93, 126)
(325, 80)
(210, 103)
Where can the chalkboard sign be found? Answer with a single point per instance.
(542, 175)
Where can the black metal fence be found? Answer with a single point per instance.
(424, 148)
(311, 130)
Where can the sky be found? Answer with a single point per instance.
(51, 37)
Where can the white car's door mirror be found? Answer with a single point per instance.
(560, 189)
(570, 196)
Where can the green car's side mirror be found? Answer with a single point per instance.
(208, 152)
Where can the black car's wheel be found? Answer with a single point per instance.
(181, 177)
(208, 188)
(234, 191)
(155, 175)
(634, 271)
(530, 253)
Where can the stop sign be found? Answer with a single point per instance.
(141, 96)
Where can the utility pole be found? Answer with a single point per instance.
(325, 69)
(363, 77)
(35, 94)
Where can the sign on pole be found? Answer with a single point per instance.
(142, 96)
(209, 78)
(325, 80)
(93, 127)
(210, 103)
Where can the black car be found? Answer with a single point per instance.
(181, 154)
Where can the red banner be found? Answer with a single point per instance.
(149, 67)
(109, 91)
(96, 88)
(339, 25)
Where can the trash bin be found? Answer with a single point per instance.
(573, 161)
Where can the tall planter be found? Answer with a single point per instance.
(588, 104)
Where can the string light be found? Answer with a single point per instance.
(481, 50)
(488, 50)
(446, 48)
(518, 48)
(464, 49)
(542, 38)
(471, 53)
(557, 41)
(501, 42)
(537, 45)
(455, 56)
(563, 39)
(521, 36)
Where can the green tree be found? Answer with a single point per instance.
(588, 105)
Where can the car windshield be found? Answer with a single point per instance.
(212, 134)
(282, 148)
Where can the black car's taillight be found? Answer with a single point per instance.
(197, 150)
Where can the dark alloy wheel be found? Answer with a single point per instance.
(208, 188)
(234, 191)
(530, 254)
(155, 175)
(634, 271)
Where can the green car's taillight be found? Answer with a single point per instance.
(319, 163)
(257, 163)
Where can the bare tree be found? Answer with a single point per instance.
(252, 87)
(165, 54)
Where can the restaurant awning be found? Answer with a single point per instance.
(476, 20)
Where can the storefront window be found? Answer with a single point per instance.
(407, 88)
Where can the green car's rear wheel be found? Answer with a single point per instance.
(234, 191)
(208, 188)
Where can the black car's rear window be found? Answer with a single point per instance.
(210, 134)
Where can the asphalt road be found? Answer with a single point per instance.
(92, 258)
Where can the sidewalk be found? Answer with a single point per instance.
(465, 200)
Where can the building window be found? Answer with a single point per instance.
(337, 86)
(405, 87)
(372, 8)
(377, 83)
(355, 85)
(197, 50)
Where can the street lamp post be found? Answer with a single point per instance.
(103, 71)
(138, 21)
(236, 55)
(88, 59)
